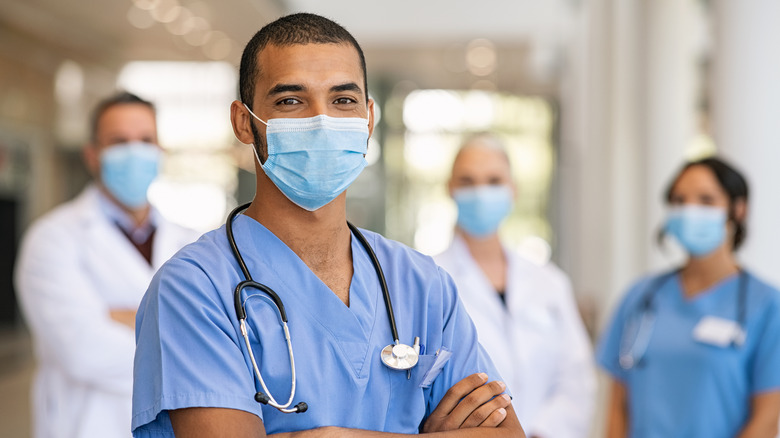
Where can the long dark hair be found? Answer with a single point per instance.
(731, 181)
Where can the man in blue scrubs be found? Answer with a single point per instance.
(306, 110)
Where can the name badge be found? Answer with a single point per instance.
(718, 331)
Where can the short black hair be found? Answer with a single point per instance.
(730, 180)
(294, 29)
(120, 98)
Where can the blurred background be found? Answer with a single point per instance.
(599, 102)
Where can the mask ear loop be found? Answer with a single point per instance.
(254, 115)
(254, 147)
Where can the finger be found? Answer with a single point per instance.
(458, 391)
(495, 419)
(485, 415)
(475, 399)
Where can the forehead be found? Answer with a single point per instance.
(479, 158)
(126, 121)
(699, 177)
(295, 63)
(126, 115)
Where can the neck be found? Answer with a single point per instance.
(317, 237)
(139, 215)
(482, 248)
(489, 255)
(321, 238)
(701, 273)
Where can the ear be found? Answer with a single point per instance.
(91, 158)
(370, 117)
(450, 186)
(241, 121)
(739, 209)
(513, 187)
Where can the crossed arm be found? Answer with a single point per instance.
(472, 407)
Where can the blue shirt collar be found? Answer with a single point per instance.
(121, 218)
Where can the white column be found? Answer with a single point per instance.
(625, 124)
(628, 107)
(627, 118)
(746, 114)
(668, 110)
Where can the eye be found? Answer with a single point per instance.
(288, 101)
(465, 181)
(118, 140)
(707, 199)
(344, 101)
(677, 200)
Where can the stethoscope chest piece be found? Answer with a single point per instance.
(400, 356)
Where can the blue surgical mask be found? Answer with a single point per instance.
(699, 229)
(128, 169)
(312, 160)
(482, 208)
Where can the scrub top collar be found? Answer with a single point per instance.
(354, 326)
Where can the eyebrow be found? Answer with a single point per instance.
(286, 88)
(349, 86)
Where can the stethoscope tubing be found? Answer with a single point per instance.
(630, 358)
(381, 275)
(271, 400)
(266, 397)
(249, 282)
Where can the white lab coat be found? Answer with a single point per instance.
(73, 267)
(537, 341)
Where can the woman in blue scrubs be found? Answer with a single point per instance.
(696, 352)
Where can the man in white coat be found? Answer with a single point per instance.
(524, 312)
(82, 270)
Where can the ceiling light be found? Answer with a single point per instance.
(146, 5)
(481, 57)
(166, 11)
(140, 18)
(182, 24)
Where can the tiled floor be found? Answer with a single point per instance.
(16, 371)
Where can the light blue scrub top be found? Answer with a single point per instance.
(684, 387)
(190, 352)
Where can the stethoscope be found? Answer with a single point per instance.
(396, 356)
(632, 352)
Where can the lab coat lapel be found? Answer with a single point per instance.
(476, 287)
(109, 250)
(528, 297)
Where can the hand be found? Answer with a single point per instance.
(124, 316)
(471, 402)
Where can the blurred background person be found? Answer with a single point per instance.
(82, 271)
(695, 352)
(525, 312)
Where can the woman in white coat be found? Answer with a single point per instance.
(524, 312)
(81, 273)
